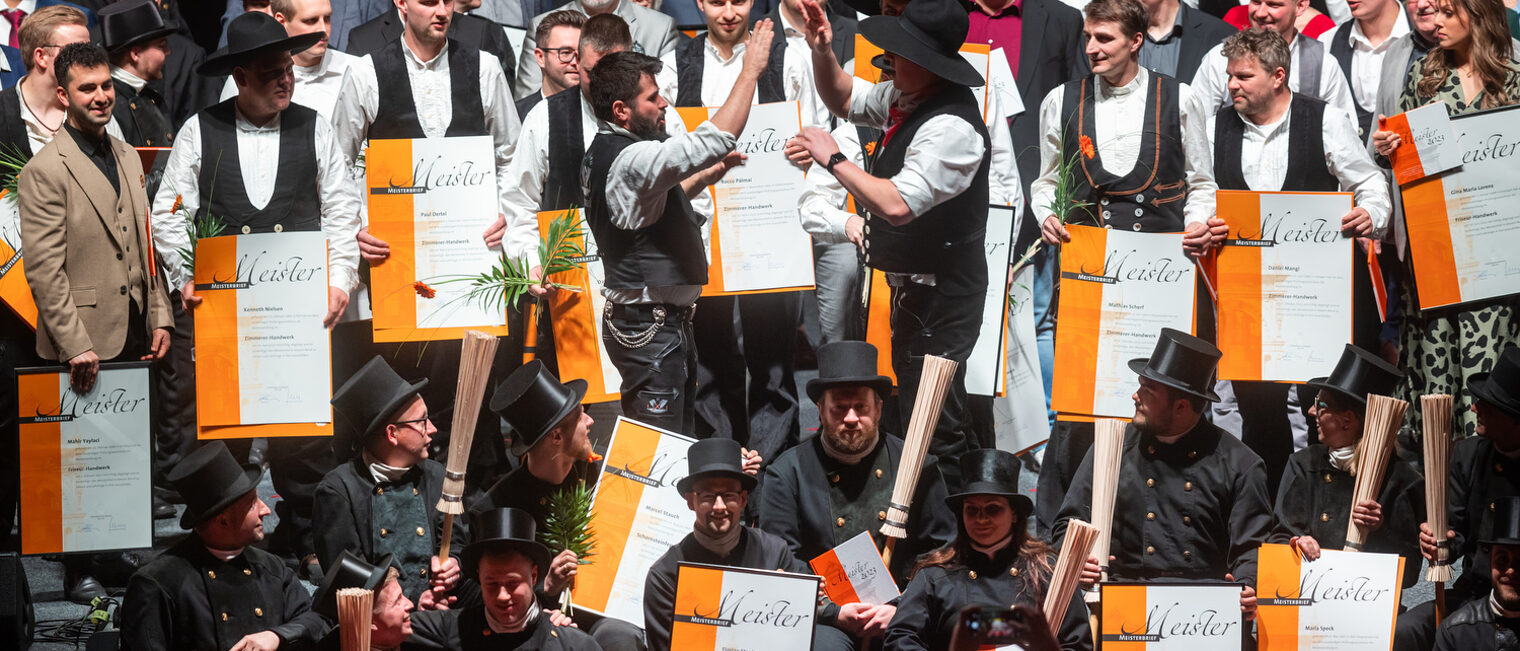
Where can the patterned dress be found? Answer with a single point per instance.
(1441, 348)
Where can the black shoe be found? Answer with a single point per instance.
(86, 590)
(162, 509)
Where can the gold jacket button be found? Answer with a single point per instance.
(1187, 555)
(224, 617)
(247, 572)
(1013, 571)
(383, 532)
(414, 491)
(554, 633)
(247, 230)
(211, 574)
(278, 228)
(421, 531)
(1150, 550)
(1187, 520)
(1150, 516)
(1150, 449)
(1150, 482)
(839, 522)
(422, 572)
(1192, 454)
(1324, 517)
(1187, 485)
(971, 574)
(258, 612)
(878, 472)
(834, 478)
(379, 490)
(881, 515)
(1328, 478)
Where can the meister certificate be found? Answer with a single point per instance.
(1345, 601)
(637, 516)
(985, 366)
(576, 318)
(732, 609)
(1464, 226)
(85, 460)
(1118, 290)
(432, 199)
(1171, 616)
(261, 354)
(1284, 284)
(14, 292)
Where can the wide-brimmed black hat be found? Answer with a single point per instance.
(714, 458)
(1358, 374)
(249, 35)
(369, 399)
(929, 33)
(533, 401)
(1506, 522)
(123, 24)
(211, 480)
(847, 363)
(504, 529)
(349, 572)
(1182, 362)
(991, 472)
(1500, 387)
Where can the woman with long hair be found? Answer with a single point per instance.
(1471, 69)
(993, 561)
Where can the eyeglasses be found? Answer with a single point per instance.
(729, 497)
(415, 422)
(974, 512)
(564, 54)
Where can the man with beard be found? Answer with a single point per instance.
(716, 490)
(319, 69)
(832, 487)
(1203, 492)
(1317, 74)
(1491, 624)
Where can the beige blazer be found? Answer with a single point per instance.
(83, 243)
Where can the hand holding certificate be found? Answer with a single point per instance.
(732, 609)
(1428, 144)
(1344, 601)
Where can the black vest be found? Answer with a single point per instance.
(567, 146)
(665, 253)
(1151, 195)
(12, 127)
(690, 61)
(1307, 171)
(948, 239)
(295, 204)
(1311, 60)
(396, 116)
(1340, 48)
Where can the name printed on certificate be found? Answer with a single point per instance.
(1344, 601)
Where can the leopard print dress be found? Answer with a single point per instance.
(1441, 349)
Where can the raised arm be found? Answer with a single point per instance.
(734, 113)
(833, 82)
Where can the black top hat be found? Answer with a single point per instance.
(990, 471)
(1501, 387)
(929, 33)
(211, 480)
(249, 35)
(504, 529)
(533, 401)
(1182, 362)
(126, 23)
(1358, 374)
(714, 458)
(847, 363)
(1506, 522)
(349, 572)
(369, 399)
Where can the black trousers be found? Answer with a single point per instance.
(746, 369)
(1069, 443)
(927, 322)
(174, 434)
(657, 358)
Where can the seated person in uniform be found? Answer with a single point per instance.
(390, 614)
(1490, 624)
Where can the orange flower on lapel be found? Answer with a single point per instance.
(1087, 147)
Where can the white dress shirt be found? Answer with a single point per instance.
(1264, 160)
(1367, 59)
(28, 6)
(317, 87)
(259, 157)
(719, 76)
(123, 76)
(638, 183)
(1118, 118)
(942, 158)
(1211, 83)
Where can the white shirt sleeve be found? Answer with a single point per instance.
(941, 162)
(1199, 159)
(1353, 167)
(1042, 190)
(637, 182)
(1334, 87)
(870, 103)
(822, 205)
(340, 210)
(356, 108)
(667, 81)
(525, 179)
(1210, 83)
(501, 122)
(181, 181)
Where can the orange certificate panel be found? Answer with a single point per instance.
(14, 291)
(1464, 226)
(638, 516)
(1170, 616)
(1344, 601)
(1429, 144)
(1283, 280)
(432, 199)
(577, 320)
(730, 609)
(262, 355)
(85, 461)
(1118, 290)
(854, 572)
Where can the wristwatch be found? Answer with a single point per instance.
(836, 159)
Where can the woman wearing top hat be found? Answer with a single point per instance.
(1493, 623)
(993, 561)
(1314, 499)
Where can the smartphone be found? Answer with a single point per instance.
(988, 628)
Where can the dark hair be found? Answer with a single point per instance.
(605, 33)
(616, 78)
(1129, 14)
(1267, 46)
(78, 55)
(1337, 401)
(1033, 560)
(556, 19)
(1488, 47)
(1174, 394)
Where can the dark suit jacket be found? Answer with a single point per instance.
(473, 31)
(1200, 33)
(18, 68)
(185, 92)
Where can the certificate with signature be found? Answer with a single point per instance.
(1283, 279)
(1344, 601)
(733, 609)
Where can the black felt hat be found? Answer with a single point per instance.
(929, 33)
(504, 529)
(847, 363)
(369, 399)
(250, 35)
(991, 472)
(1358, 374)
(211, 480)
(1506, 522)
(123, 24)
(533, 401)
(1182, 362)
(714, 458)
(349, 572)
(1500, 387)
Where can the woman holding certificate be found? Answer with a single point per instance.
(1470, 70)
(992, 560)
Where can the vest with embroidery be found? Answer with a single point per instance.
(295, 204)
(1150, 196)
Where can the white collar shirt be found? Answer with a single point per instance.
(1211, 82)
(1367, 59)
(123, 76)
(719, 75)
